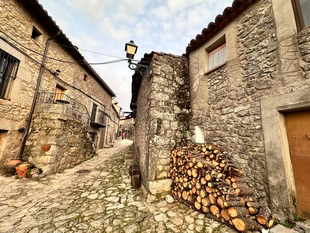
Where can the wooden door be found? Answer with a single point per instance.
(298, 133)
(59, 94)
(101, 141)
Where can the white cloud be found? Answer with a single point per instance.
(161, 13)
(127, 10)
(104, 26)
(118, 32)
(91, 9)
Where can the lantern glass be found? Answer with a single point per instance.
(130, 49)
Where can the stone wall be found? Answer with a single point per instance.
(80, 83)
(162, 113)
(70, 143)
(304, 48)
(268, 66)
(231, 117)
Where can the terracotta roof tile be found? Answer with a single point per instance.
(229, 14)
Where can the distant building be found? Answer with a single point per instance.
(126, 126)
(49, 94)
(247, 85)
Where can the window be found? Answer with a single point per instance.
(60, 95)
(94, 112)
(35, 33)
(216, 54)
(8, 70)
(217, 57)
(302, 13)
(85, 77)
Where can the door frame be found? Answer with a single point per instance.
(280, 171)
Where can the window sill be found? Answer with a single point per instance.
(215, 68)
(4, 101)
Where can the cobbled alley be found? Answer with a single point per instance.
(95, 196)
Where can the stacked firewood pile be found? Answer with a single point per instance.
(209, 181)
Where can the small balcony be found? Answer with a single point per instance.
(77, 110)
(98, 119)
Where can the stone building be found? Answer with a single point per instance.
(49, 93)
(248, 75)
(114, 122)
(126, 126)
(160, 106)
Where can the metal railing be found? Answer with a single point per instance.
(99, 118)
(79, 110)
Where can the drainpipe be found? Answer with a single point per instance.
(34, 101)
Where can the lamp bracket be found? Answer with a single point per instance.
(142, 69)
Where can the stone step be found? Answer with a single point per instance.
(300, 227)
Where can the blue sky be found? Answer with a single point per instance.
(100, 29)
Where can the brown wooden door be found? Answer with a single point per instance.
(298, 133)
(101, 141)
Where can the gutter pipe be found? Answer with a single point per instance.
(34, 101)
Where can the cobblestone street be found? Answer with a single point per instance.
(95, 196)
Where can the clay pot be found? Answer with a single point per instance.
(46, 147)
(22, 169)
(10, 166)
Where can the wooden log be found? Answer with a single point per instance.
(199, 199)
(203, 193)
(205, 209)
(239, 203)
(201, 172)
(220, 202)
(205, 202)
(209, 189)
(197, 205)
(231, 170)
(194, 172)
(245, 224)
(253, 210)
(237, 211)
(253, 204)
(270, 223)
(245, 191)
(225, 215)
(209, 177)
(212, 198)
(191, 199)
(185, 195)
(233, 198)
(263, 215)
(215, 210)
(203, 180)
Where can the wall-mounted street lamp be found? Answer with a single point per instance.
(131, 49)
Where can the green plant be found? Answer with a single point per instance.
(217, 229)
(48, 130)
(297, 217)
(288, 223)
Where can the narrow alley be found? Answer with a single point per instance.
(95, 196)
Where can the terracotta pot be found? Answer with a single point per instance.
(22, 169)
(10, 166)
(46, 147)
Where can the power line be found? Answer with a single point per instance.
(68, 62)
(104, 54)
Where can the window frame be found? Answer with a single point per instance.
(35, 34)
(60, 94)
(219, 63)
(8, 72)
(298, 15)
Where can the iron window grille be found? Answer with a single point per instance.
(8, 70)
